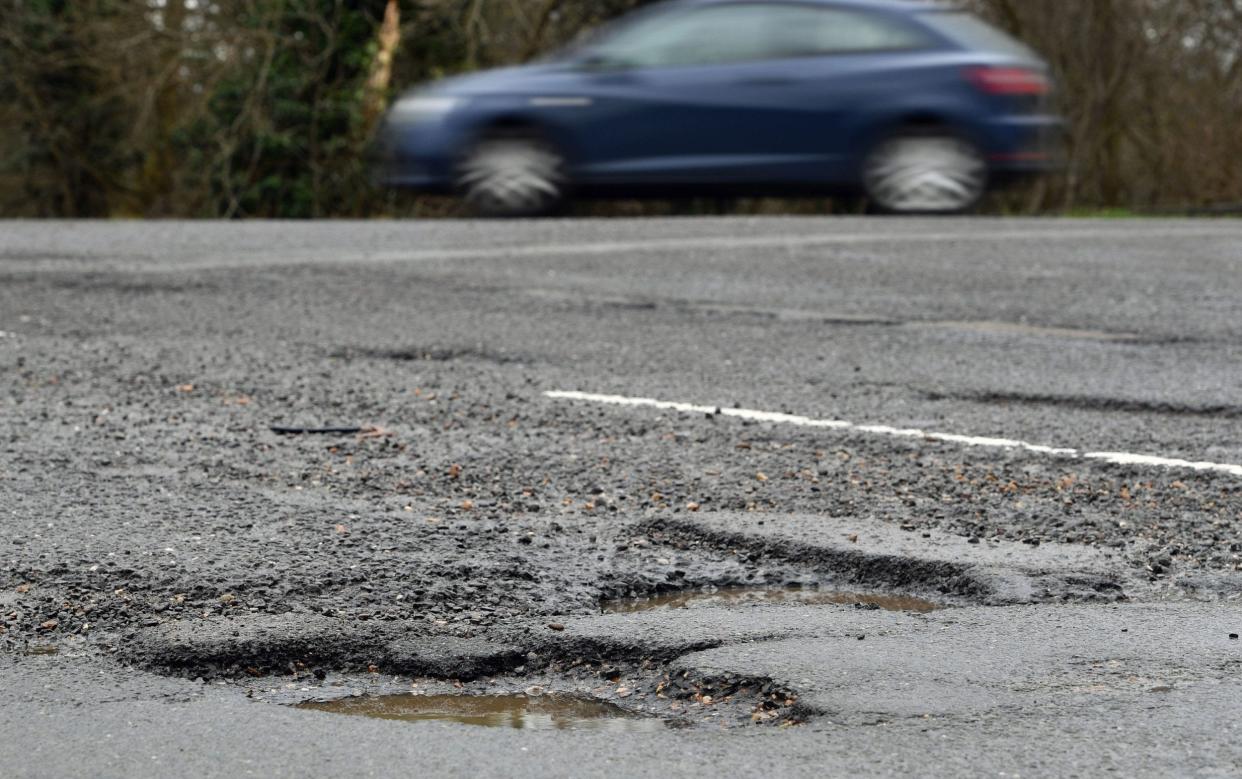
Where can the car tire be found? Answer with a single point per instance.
(925, 172)
(512, 174)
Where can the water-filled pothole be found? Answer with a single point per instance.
(733, 596)
(523, 712)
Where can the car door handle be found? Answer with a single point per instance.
(769, 81)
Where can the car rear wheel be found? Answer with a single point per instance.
(925, 173)
(512, 175)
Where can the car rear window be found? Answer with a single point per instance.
(974, 33)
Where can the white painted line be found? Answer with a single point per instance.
(576, 250)
(1119, 458)
(739, 242)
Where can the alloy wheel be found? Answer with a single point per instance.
(515, 176)
(925, 174)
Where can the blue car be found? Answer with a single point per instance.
(918, 107)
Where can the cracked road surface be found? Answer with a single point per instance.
(172, 570)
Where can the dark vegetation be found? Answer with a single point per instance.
(266, 108)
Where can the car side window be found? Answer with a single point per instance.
(741, 32)
(701, 36)
(801, 31)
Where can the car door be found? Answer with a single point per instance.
(670, 102)
(729, 93)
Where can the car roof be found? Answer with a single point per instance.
(902, 6)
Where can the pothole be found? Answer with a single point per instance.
(735, 596)
(41, 649)
(520, 712)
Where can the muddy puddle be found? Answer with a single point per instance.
(521, 712)
(736, 596)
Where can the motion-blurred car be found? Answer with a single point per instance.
(919, 107)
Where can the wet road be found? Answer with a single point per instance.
(1014, 414)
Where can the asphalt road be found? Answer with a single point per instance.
(1035, 424)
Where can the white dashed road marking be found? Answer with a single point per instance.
(329, 255)
(1120, 458)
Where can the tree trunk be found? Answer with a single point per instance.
(375, 94)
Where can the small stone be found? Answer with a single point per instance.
(555, 626)
(1233, 636)
(534, 691)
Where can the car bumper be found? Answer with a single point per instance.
(417, 155)
(1025, 145)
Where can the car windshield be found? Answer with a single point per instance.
(974, 33)
(740, 32)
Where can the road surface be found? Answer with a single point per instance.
(246, 465)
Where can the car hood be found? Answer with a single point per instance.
(502, 81)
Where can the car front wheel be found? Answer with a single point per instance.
(512, 175)
(925, 173)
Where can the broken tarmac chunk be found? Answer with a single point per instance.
(450, 657)
(858, 553)
(224, 647)
(283, 430)
(272, 644)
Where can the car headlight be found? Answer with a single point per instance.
(422, 108)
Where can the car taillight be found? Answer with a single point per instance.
(1009, 81)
